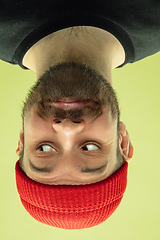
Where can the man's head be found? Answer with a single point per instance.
(71, 131)
(72, 149)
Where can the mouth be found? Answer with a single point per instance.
(67, 103)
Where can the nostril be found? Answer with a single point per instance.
(77, 121)
(73, 121)
(57, 121)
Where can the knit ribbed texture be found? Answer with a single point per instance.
(72, 207)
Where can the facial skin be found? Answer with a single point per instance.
(79, 147)
(69, 149)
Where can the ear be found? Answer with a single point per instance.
(125, 145)
(20, 143)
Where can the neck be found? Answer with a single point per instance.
(92, 46)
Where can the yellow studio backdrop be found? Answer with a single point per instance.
(137, 217)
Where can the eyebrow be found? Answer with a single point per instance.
(94, 170)
(48, 169)
(42, 170)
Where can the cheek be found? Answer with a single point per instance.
(104, 128)
(37, 131)
(106, 122)
(34, 124)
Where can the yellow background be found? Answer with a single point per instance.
(138, 89)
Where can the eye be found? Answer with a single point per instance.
(90, 147)
(45, 148)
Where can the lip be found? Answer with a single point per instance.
(70, 104)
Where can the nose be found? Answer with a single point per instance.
(68, 126)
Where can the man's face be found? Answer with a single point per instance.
(70, 128)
